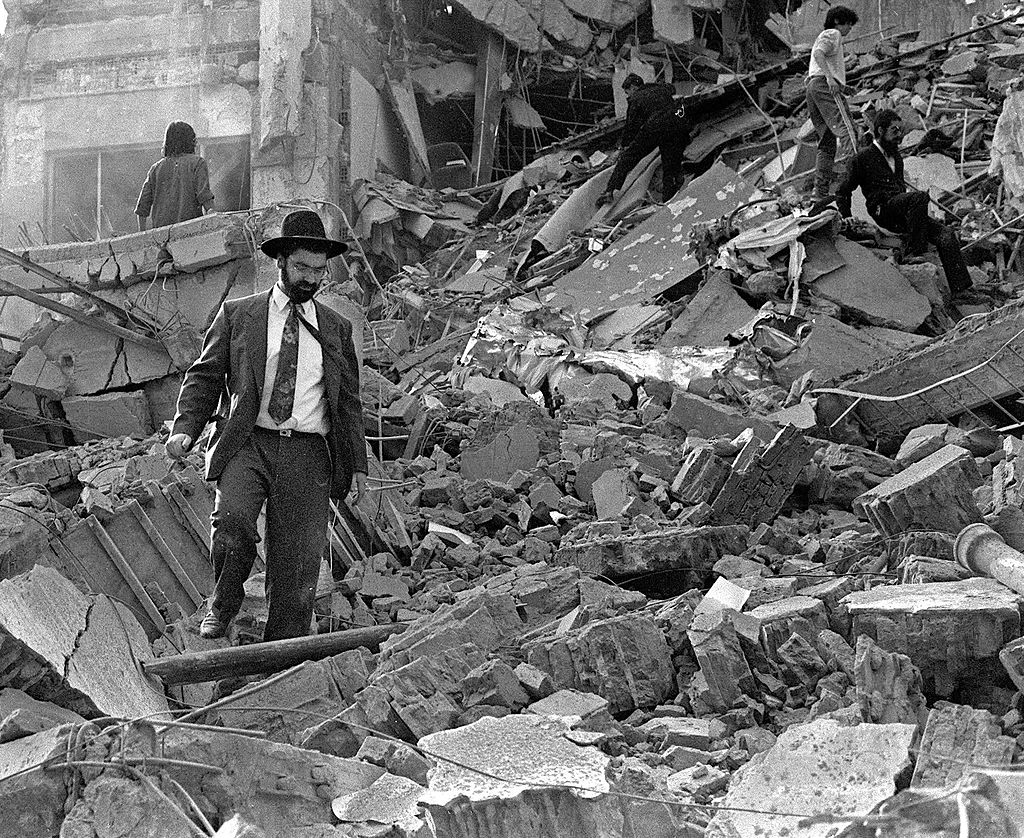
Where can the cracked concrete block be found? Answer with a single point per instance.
(950, 630)
(955, 738)
(202, 250)
(32, 803)
(935, 493)
(111, 807)
(889, 687)
(21, 715)
(625, 659)
(38, 374)
(716, 645)
(313, 688)
(819, 768)
(801, 614)
(692, 551)
(516, 448)
(111, 414)
(79, 652)
(390, 801)
(702, 417)
(534, 751)
(94, 361)
(717, 310)
(570, 703)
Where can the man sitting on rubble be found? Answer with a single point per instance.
(878, 171)
(653, 120)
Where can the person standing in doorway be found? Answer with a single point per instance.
(826, 100)
(653, 121)
(283, 369)
(177, 187)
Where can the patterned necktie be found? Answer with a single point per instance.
(282, 397)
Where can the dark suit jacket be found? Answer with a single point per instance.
(869, 170)
(230, 370)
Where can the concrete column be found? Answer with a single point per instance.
(296, 137)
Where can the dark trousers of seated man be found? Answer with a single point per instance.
(292, 475)
(907, 214)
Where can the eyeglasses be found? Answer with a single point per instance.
(320, 271)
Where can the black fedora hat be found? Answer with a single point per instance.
(304, 229)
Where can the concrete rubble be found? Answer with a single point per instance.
(665, 494)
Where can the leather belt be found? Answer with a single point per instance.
(288, 433)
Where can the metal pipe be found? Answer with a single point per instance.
(981, 550)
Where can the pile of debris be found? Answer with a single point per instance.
(699, 518)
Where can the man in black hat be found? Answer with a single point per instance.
(653, 121)
(289, 429)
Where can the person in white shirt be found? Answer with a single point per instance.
(826, 85)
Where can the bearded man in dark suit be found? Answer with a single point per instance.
(282, 370)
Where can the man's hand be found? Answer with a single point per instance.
(358, 489)
(178, 445)
(834, 85)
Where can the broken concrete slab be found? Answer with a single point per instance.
(94, 361)
(611, 494)
(814, 769)
(79, 652)
(21, 715)
(872, 289)
(950, 630)
(623, 659)
(762, 478)
(715, 312)
(705, 418)
(972, 340)
(716, 645)
(536, 755)
(389, 801)
(693, 552)
(651, 258)
(955, 739)
(109, 414)
(935, 494)
(38, 374)
(889, 687)
(32, 799)
(514, 449)
(278, 786)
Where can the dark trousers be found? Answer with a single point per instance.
(292, 475)
(907, 214)
(670, 137)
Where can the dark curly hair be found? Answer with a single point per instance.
(179, 138)
(838, 15)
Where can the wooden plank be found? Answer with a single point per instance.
(260, 658)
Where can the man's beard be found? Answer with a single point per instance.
(296, 290)
(890, 148)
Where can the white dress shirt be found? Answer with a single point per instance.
(888, 157)
(309, 410)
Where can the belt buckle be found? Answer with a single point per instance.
(285, 432)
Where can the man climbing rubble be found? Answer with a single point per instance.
(284, 368)
(826, 105)
(653, 120)
(878, 172)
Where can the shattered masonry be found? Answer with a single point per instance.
(695, 515)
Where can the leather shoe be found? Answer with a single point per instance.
(213, 626)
